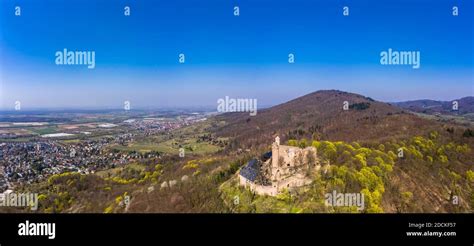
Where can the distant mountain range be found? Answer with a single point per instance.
(320, 115)
(427, 106)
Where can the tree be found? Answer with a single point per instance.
(303, 143)
(292, 142)
(406, 198)
(470, 175)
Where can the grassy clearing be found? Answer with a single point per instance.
(186, 138)
(45, 130)
(112, 172)
(170, 147)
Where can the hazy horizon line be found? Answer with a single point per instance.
(205, 108)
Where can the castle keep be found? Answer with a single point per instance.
(286, 167)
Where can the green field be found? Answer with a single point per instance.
(116, 171)
(186, 137)
(45, 130)
(169, 146)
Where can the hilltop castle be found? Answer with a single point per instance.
(285, 167)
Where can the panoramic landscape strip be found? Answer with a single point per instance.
(242, 107)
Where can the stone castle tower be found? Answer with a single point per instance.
(275, 158)
(288, 169)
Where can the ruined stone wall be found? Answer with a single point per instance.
(259, 189)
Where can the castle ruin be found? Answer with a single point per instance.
(287, 167)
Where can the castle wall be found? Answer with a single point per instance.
(291, 157)
(283, 176)
(259, 189)
(293, 182)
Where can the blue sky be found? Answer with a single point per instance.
(244, 56)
